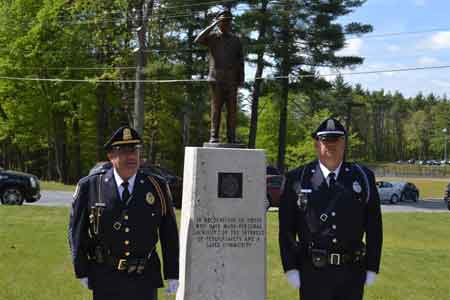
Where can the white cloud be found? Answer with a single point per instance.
(420, 2)
(427, 61)
(438, 41)
(353, 47)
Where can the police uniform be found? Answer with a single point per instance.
(322, 228)
(113, 241)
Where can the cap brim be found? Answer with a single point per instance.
(120, 143)
(326, 135)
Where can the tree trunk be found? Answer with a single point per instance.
(77, 148)
(258, 81)
(188, 91)
(102, 120)
(144, 12)
(285, 70)
(60, 147)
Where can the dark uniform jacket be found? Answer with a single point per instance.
(226, 58)
(147, 216)
(332, 220)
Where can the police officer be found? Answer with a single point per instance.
(226, 72)
(328, 207)
(117, 216)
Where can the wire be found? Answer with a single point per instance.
(199, 4)
(389, 34)
(205, 80)
(78, 68)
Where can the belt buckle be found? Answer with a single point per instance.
(122, 265)
(335, 259)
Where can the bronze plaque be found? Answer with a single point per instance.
(230, 185)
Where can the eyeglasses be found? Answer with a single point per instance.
(128, 148)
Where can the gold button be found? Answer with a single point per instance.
(127, 253)
(125, 217)
(127, 242)
(127, 229)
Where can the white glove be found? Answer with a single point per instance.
(370, 278)
(293, 277)
(85, 282)
(173, 286)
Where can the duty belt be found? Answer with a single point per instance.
(130, 264)
(323, 257)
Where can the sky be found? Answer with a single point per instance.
(426, 49)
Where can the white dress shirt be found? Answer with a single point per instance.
(327, 172)
(119, 182)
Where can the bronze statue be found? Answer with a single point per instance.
(226, 72)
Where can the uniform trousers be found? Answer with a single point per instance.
(109, 284)
(150, 294)
(345, 282)
(223, 93)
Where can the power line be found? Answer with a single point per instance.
(77, 68)
(388, 34)
(205, 80)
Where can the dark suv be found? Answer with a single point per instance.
(447, 196)
(17, 187)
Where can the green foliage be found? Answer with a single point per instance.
(54, 128)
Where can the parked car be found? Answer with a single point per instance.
(409, 192)
(175, 183)
(394, 192)
(447, 196)
(17, 187)
(274, 183)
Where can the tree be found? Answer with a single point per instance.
(306, 37)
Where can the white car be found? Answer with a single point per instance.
(397, 191)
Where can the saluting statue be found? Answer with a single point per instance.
(226, 72)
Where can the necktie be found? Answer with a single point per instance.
(126, 192)
(332, 180)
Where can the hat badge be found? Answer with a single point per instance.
(127, 134)
(331, 125)
(150, 198)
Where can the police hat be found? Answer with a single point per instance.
(329, 128)
(224, 15)
(125, 135)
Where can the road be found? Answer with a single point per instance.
(54, 198)
(57, 198)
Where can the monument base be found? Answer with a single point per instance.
(223, 225)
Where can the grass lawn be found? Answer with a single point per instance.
(428, 187)
(56, 186)
(35, 262)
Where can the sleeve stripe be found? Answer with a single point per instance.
(161, 195)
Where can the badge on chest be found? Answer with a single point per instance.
(150, 198)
